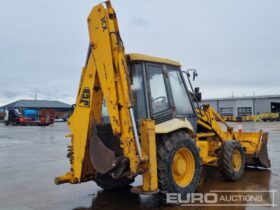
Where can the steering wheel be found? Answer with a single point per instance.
(161, 98)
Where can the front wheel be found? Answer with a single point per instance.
(179, 164)
(232, 160)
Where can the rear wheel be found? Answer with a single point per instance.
(232, 160)
(179, 164)
(106, 182)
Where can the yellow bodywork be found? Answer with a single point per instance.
(140, 57)
(148, 139)
(173, 125)
(211, 140)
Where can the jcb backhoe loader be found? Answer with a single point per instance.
(154, 129)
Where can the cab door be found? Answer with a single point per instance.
(180, 97)
(159, 97)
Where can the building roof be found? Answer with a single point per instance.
(37, 104)
(242, 98)
(148, 58)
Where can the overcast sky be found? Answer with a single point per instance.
(234, 44)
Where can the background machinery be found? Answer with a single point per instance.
(27, 117)
(154, 129)
(13, 117)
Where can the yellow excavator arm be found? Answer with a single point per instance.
(105, 76)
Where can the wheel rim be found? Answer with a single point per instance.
(183, 167)
(236, 160)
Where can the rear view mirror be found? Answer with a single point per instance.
(194, 73)
(197, 94)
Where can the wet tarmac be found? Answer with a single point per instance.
(30, 157)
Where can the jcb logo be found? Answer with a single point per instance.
(85, 98)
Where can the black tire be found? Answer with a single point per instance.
(106, 182)
(6, 123)
(167, 146)
(225, 160)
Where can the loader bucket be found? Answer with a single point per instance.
(262, 155)
(255, 145)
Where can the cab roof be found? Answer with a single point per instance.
(141, 57)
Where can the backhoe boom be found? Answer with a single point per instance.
(104, 76)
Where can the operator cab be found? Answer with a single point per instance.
(159, 89)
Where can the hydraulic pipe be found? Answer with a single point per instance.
(135, 132)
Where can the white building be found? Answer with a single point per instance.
(245, 106)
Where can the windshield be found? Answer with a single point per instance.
(180, 96)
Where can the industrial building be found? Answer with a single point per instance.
(57, 108)
(245, 106)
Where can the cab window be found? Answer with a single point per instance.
(159, 99)
(179, 93)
